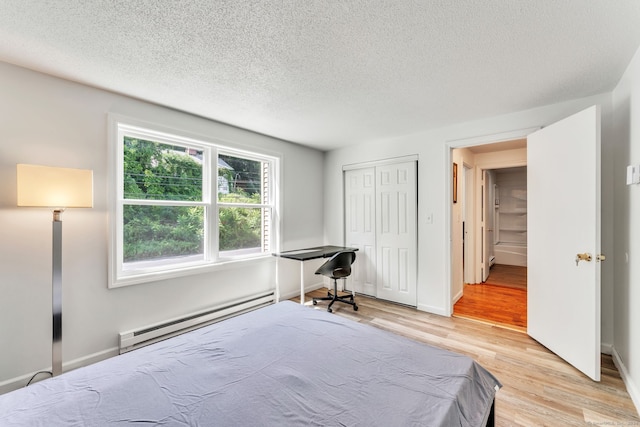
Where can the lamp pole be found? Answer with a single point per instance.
(56, 361)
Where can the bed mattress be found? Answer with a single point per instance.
(281, 365)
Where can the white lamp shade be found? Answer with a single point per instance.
(44, 186)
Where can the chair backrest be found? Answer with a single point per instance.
(338, 266)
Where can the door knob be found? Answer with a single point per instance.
(600, 257)
(583, 257)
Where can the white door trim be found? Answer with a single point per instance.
(382, 162)
(491, 138)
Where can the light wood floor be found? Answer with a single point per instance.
(539, 388)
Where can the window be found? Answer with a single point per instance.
(244, 210)
(184, 204)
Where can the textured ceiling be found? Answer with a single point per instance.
(330, 73)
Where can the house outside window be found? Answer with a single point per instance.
(183, 204)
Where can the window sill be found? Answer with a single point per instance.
(201, 268)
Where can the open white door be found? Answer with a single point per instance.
(563, 180)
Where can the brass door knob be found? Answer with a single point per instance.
(583, 257)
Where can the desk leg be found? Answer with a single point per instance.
(302, 282)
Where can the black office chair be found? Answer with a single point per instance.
(337, 267)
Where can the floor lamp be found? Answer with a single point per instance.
(56, 188)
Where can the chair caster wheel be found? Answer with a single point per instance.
(329, 310)
(355, 308)
(315, 302)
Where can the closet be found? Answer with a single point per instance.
(510, 216)
(381, 221)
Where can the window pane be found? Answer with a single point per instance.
(240, 180)
(241, 230)
(158, 171)
(160, 233)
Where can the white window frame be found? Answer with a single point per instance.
(269, 196)
(119, 127)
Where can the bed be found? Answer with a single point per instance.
(281, 365)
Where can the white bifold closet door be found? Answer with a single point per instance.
(360, 227)
(381, 221)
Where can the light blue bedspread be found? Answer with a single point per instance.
(281, 365)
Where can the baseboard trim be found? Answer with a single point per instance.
(90, 359)
(606, 348)
(457, 297)
(22, 380)
(435, 310)
(296, 293)
(632, 389)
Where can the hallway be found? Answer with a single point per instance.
(501, 300)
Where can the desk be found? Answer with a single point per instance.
(303, 255)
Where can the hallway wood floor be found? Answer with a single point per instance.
(539, 388)
(500, 301)
(511, 276)
(496, 305)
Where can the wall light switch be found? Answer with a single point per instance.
(633, 174)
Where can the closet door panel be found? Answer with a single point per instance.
(396, 215)
(360, 228)
(403, 268)
(384, 282)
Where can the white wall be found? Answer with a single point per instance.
(626, 256)
(434, 293)
(49, 121)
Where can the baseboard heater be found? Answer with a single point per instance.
(134, 339)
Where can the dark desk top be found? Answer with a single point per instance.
(313, 253)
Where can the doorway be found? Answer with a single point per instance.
(564, 235)
(493, 235)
